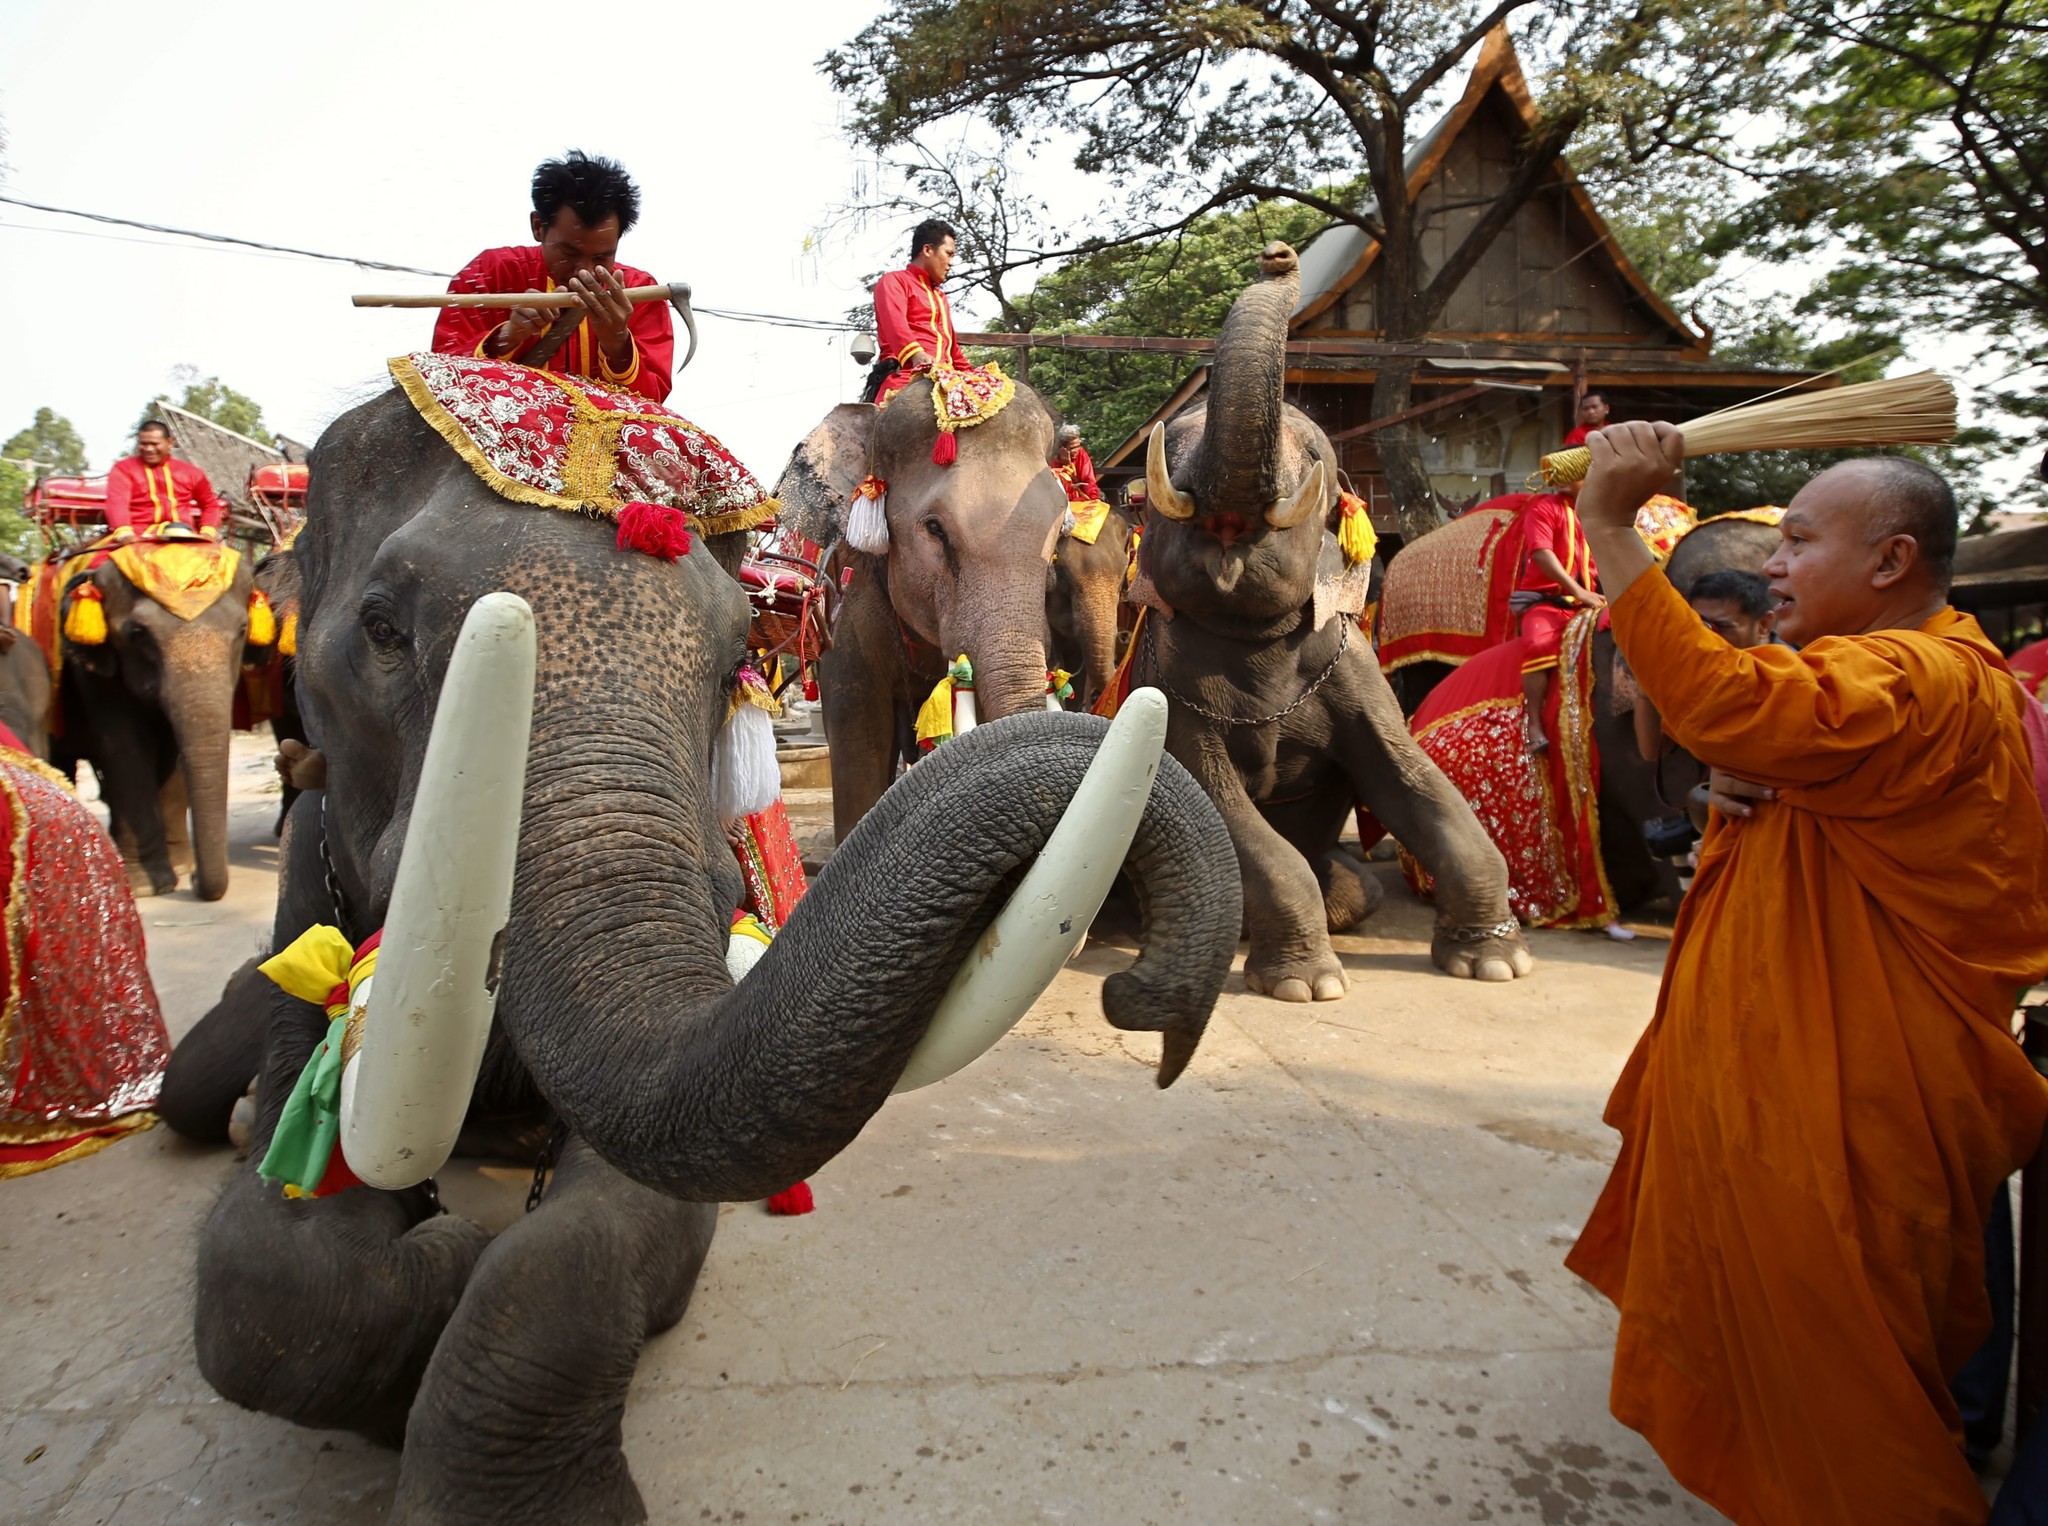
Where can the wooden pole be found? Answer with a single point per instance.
(504, 300)
(2033, 1265)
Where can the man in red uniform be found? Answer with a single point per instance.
(582, 207)
(1556, 582)
(913, 319)
(1071, 465)
(151, 488)
(1593, 413)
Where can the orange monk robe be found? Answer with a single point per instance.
(1814, 1123)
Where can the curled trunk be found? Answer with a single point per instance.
(708, 1092)
(1236, 467)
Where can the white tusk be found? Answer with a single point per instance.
(1160, 491)
(963, 712)
(1045, 922)
(429, 1005)
(1308, 499)
(1052, 702)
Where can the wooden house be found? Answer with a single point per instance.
(1553, 309)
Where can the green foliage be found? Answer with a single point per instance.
(1177, 286)
(55, 446)
(213, 400)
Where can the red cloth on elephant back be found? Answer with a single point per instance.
(82, 1044)
(1542, 809)
(1445, 596)
(770, 864)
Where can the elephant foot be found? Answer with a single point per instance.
(1492, 953)
(1308, 978)
(162, 881)
(1354, 895)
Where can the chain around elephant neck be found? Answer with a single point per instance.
(1152, 657)
(334, 894)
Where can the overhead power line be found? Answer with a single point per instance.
(778, 320)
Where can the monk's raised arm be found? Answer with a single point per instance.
(1769, 714)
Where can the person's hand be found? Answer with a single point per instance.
(211, 532)
(916, 360)
(300, 767)
(1631, 464)
(1736, 798)
(517, 332)
(1590, 599)
(603, 296)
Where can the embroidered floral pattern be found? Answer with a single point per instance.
(567, 443)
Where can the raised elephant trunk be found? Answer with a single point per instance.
(1236, 466)
(622, 1008)
(199, 700)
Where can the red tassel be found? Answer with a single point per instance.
(945, 448)
(796, 1200)
(655, 529)
(810, 689)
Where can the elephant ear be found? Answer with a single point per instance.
(824, 469)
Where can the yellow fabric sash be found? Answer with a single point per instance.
(1090, 516)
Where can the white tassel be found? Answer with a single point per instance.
(867, 526)
(744, 775)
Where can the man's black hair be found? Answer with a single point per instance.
(1912, 498)
(1747, 591)
(593, 189)
(1595, 392)
(158, 425)
(931, 232)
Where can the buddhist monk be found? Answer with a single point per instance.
(1830, 1093)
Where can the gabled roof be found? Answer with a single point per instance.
(226, 457)
(1338, 258)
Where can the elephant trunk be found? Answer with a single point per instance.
(1236, 466)
(622, 1008)
(199, 700)
(1005, 636)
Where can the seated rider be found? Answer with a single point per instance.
(152, 488)
(582, 207)
(1071, 465)
(913, 319)
(1555, 583)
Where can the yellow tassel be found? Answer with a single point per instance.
(1356, 537)
(262, 619)
(288, 635)
(86, 623)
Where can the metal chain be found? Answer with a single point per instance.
(327, 869)
(1505, 929)
(551, 1152)
(1152, 660)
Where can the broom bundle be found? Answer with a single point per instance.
(1902, 410)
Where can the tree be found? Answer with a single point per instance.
(213, 400)
(1195, 106)
(49, 446)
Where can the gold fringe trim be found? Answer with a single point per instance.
(591, 461)
(134, 1123)
(17, 907)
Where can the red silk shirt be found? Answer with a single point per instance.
(520, 268)
(1078, 477)
(141, 497)
(1550, 523)
(913, 314)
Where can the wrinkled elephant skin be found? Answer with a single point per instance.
(502, 1365)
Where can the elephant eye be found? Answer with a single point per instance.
(381, 631)
(936, 530)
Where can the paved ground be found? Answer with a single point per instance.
(1319, 1280)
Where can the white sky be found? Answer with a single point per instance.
(405, 132)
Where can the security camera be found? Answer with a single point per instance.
(864, 349)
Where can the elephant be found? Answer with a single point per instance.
(1283, 716)
(501, 1365)
(969, 550)
(1633, 790)
(1083, 595)
(277, 578)
(158, 695)
(25, 691)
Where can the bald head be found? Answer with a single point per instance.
(1868, 545)
(1909, 498)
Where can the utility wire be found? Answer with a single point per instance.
(778, 320)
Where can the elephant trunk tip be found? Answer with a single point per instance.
(1176, 1048)
(1278, 261)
